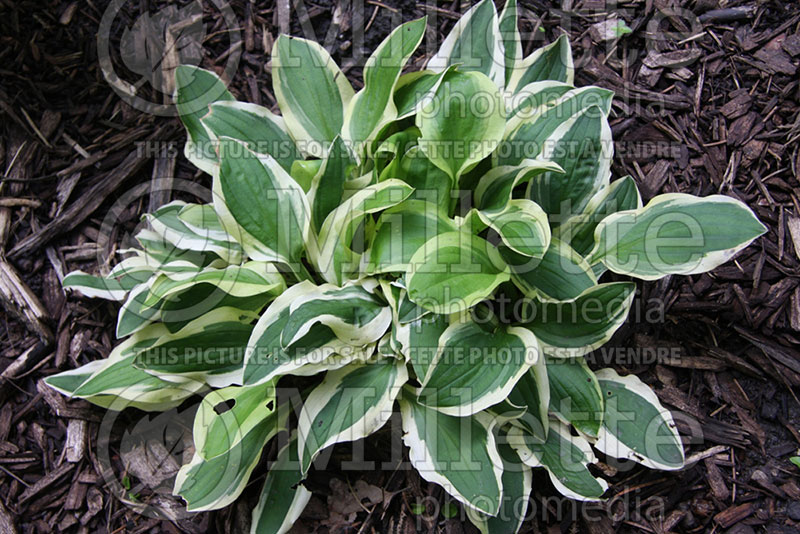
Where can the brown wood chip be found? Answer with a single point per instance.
(734, 514)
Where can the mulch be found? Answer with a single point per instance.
(707, 103)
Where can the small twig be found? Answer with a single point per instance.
(708, 453)
(38, 132)
(19, 202)
(18, 299)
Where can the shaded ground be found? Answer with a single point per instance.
(707, 103)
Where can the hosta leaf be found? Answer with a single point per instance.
(583, 148)
(430, 183)
(474, 44)
(344, 357)
(166, 222)
(260, 205)
(217, 433)
(327, 186)
(463, 123)
(403, 309)
(210, 348)
(517, 485)
(135, 269)
(283, 497)
(453, 272)
(256, 126)
(522, 225)
(530, 100)
(509, 33)
(68, 381)
(203, 221)
(195, 89)
(576, 327)
(551, 62)
(114, 383)
(333, 254)
(266, 357)
(215, 483)
(95, 286)
(304, 171)
(458, 453)
(476, 368)
(419, 341)
(635, 424)
(373, 106)
(393, 148)
(197, 300)
(527, 130)
(246, 280)
(495, 188)
(414, 88)
(561, 274)
(162, 254)
(401, 231)
(565, 457)
(575, 394)
(578, 231)
(408, 311)
(506, 411)
(311, 91)
(675, 234)
(134, 313)
(353, 313)
(350, 403)
(178, 296)
(532, 392)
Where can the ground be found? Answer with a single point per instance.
(707, 103)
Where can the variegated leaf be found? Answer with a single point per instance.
(578, 231)
(565, 457)
(476, 367)
(528, 127)
(350, 403)
(517, 484)
(635, 424)
(332, 254)
(312, 93)
(283, 497)
(463, 123)
(260, 205)
(373, 106)
(116, 384)
(195, 89)
(458, 453)
(675, 233)
(583, 148)
(209, 349)
(475, 44)
(575, 395)
(216, 433)
(454, 271)
(256, 126)
(572, 328)
(561, 274)
(211, 484)
(551, 62)
(401, 231)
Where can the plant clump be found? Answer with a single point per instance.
(447, 243)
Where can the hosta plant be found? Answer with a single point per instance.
(446, 243)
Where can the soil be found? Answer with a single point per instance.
(707, 103)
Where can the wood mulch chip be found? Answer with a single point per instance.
(707, 102)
